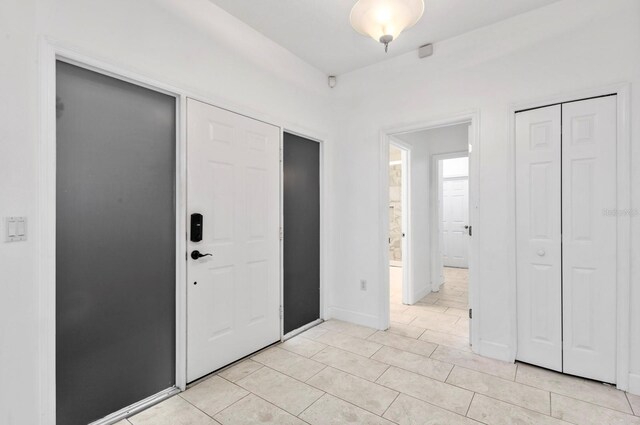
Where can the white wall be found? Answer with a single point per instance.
(192, 45)
(423, 145)
(567, 46)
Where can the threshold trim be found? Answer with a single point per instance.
(301, 329)
(137, 407)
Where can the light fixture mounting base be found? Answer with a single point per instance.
(386, 39)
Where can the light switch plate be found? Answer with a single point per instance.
(15, 229)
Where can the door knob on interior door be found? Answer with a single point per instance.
(541, 252)
(197, 254)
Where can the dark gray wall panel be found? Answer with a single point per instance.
(301, 164)
(115, 244)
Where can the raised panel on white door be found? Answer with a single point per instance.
(221, 226)
(589, 238)
(233, 180)
(257, 200)
(542, 219)
(216, 297)
(538, 237)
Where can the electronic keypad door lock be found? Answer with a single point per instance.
(196, 227)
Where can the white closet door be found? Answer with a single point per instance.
(538, 227)
(589, 238)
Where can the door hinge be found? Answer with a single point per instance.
(281, 312)
(470, 313)
(281, 233)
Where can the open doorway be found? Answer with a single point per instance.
(436, 304)
(451, 239)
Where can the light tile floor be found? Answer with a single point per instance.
(420, 371)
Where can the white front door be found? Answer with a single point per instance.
(455, 216)
(233, 295)
(538, 229)
(589, 238)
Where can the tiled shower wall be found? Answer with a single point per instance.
(395, 213)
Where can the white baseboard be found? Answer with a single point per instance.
(634, 383)
(495, 350)
(420, 294)
(353, 317)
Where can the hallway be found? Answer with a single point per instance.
(442, 316)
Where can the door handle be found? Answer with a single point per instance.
(541, 252)
(197, 254)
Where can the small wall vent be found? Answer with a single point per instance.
(425, 51)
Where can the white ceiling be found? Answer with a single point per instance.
(319, 32)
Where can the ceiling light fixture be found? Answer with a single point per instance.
(384, 20)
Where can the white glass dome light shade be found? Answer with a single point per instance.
(384, 20)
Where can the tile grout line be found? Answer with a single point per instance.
(307, 408)
(390, 404)
(312, 376)
(262, 398)
(449, 374)
(569, 396)
(594, 404)
(280, 408)
(528, 386)
(208, 415)
(489, 396)
(633, 412)
(374, 353)
(470, 403)
(426, 401)
(522, 407)
(353, 404)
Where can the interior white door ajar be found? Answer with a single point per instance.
(538, 230)
(233, 295)
(455, 221)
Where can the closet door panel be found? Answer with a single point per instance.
(538, 234)
(589, 238)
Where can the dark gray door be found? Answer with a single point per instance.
(115, 244)
(301, 164)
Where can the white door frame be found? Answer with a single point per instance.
(436, 215)
(405, 202)
(472, 116)
(51, 50)
(318, 139)
(625, 380)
